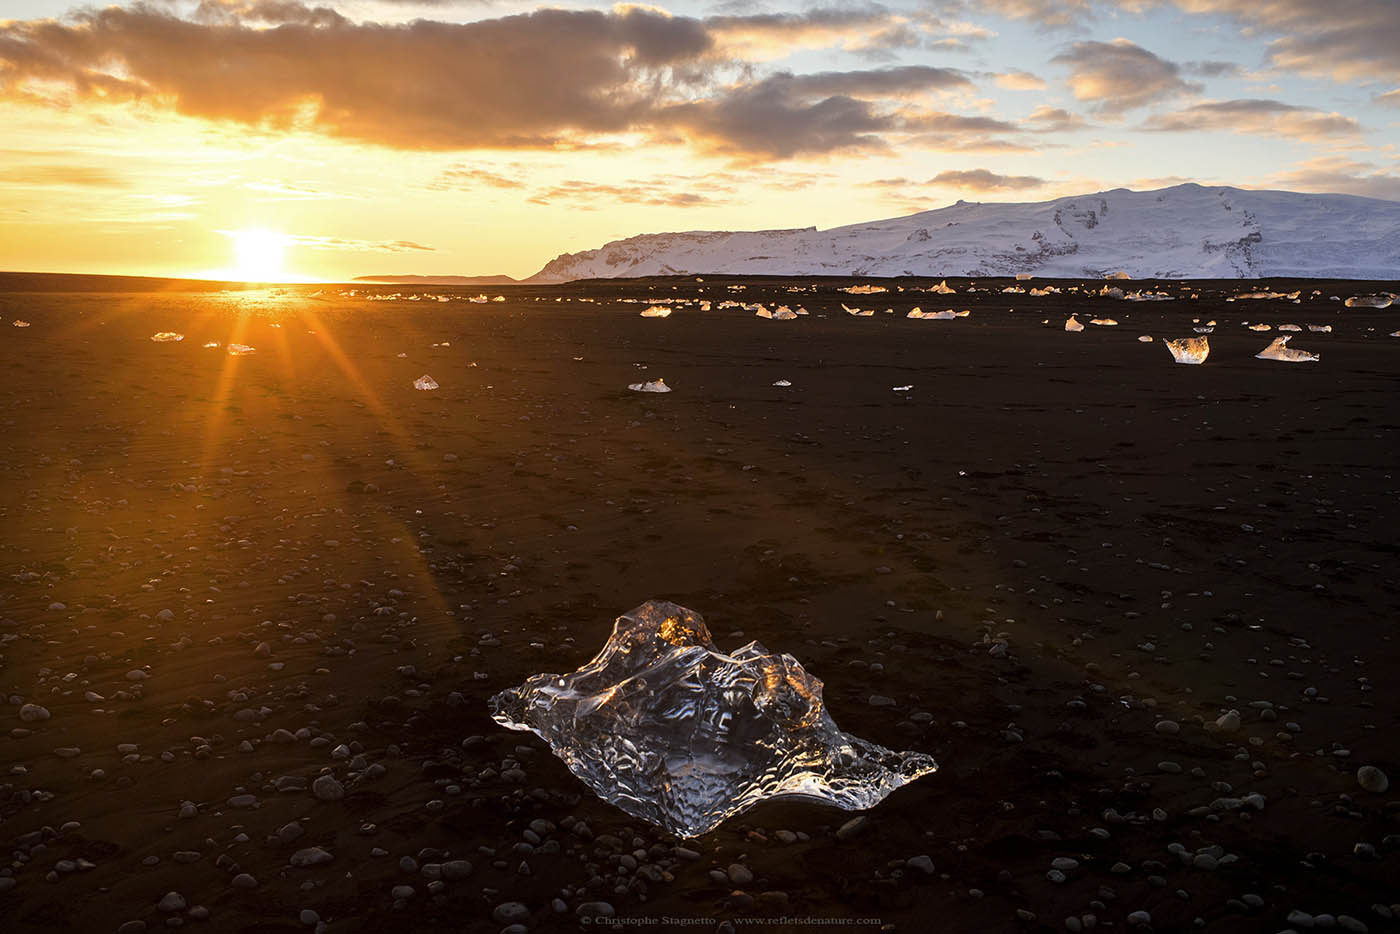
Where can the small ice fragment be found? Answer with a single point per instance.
(1207, 329)
(1320, 328)
(783, 313)
(1189, 349)
(1260, 327)
(425, 382)
(864, 289)
(943, 288)
(1104, 322)
(676, 733)
(1120, 274)
(915, 312)
(239, 350)
(657, 311)
(902, 388)
(654, 385)
(1289, 327)
(946, 314)
(402, 356)
(1279, 350)
(208, 344)
(1144, 338)
(1110, 291)
(782, 382)
(161, 337)
(1023, 276)
(761, 312)
(1381, 300)
(1072, 324)
(20, 324)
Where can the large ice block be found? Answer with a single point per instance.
(673, 731)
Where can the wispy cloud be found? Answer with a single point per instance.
(1253, 115)
(1340, 175)
(986, 180)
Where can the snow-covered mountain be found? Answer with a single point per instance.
(1188, 231)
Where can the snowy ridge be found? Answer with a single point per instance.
(1188, 231)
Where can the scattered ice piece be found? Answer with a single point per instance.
(1110, 291)
(1189, 349)
(675, 732)
(1144, 338)
(1268, 295)
(20, 324)
(915, 312)
(1206, 329)
(657, 311)
(1395, 333)
(943, 288)
(208, 344)
(239, 350)
(1023, 276)
(782, 382)
(762, 312)
(947, 314)
(655, 385)
(1380, 300)
(1260, 327)
(161, 337)
(783, 313)
(1289, 327)
(425, 382)
(1120, 274)
(902, 388)
(858, 312)
(1072, 324)
(1320, 328)
(1105, 322)
(864, 289)
(1279, 350)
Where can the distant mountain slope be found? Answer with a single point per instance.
(1188, 231)
(438, 280)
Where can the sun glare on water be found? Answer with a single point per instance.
(258, 254)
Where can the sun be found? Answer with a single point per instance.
(258, 254)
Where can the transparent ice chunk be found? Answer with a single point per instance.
(161, 337)
(1381, 300)
(1189, 349)
(651, 385)
(675, 732)
(1072, 324)
(1279, 350)
(657, 311)
(425, 382)
(240, 350)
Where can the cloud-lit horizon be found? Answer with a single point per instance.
(489, 137)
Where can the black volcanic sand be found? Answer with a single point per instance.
(255, 570)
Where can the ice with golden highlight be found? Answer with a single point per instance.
(675, 732)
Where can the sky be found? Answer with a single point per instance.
(283, 139)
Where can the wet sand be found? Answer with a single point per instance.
(225, 576)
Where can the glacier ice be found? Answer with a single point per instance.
(425, 382)
(1189, 349)
(1072, 324)
(239, 350)
(161, 337)
(675, 732)
(657, 311)
(1381, 300)
(651, 385)
(1279, 350)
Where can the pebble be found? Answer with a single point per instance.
(852, 828)
(173, 901)
(455, 869)
(327, 788)
(1170, 727)
(244, 881)
(311, 856)
(595, 910)
(1139, 918)
(309, 917)
(739, 874)
(33, 713)
(402, 891)
(1347, 922)
(1372, 779)
(922, 863)
(510, 913)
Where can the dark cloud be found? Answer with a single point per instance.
(532, 80)
(788, 115)
(985, 180)
(1121, 75)
(1213, 69)
(1253, 115)
(552, 79)
(1345, 39)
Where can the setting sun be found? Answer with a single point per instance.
(258, 254)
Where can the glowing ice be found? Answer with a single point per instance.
(1279, 350)
(657, 311)
(1382, 300)
(425, 382)
(20, 324)
(1072, 324)
(1189, 349)
(239, 350)
(161, 337)
(675, 732)
(654, 385)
